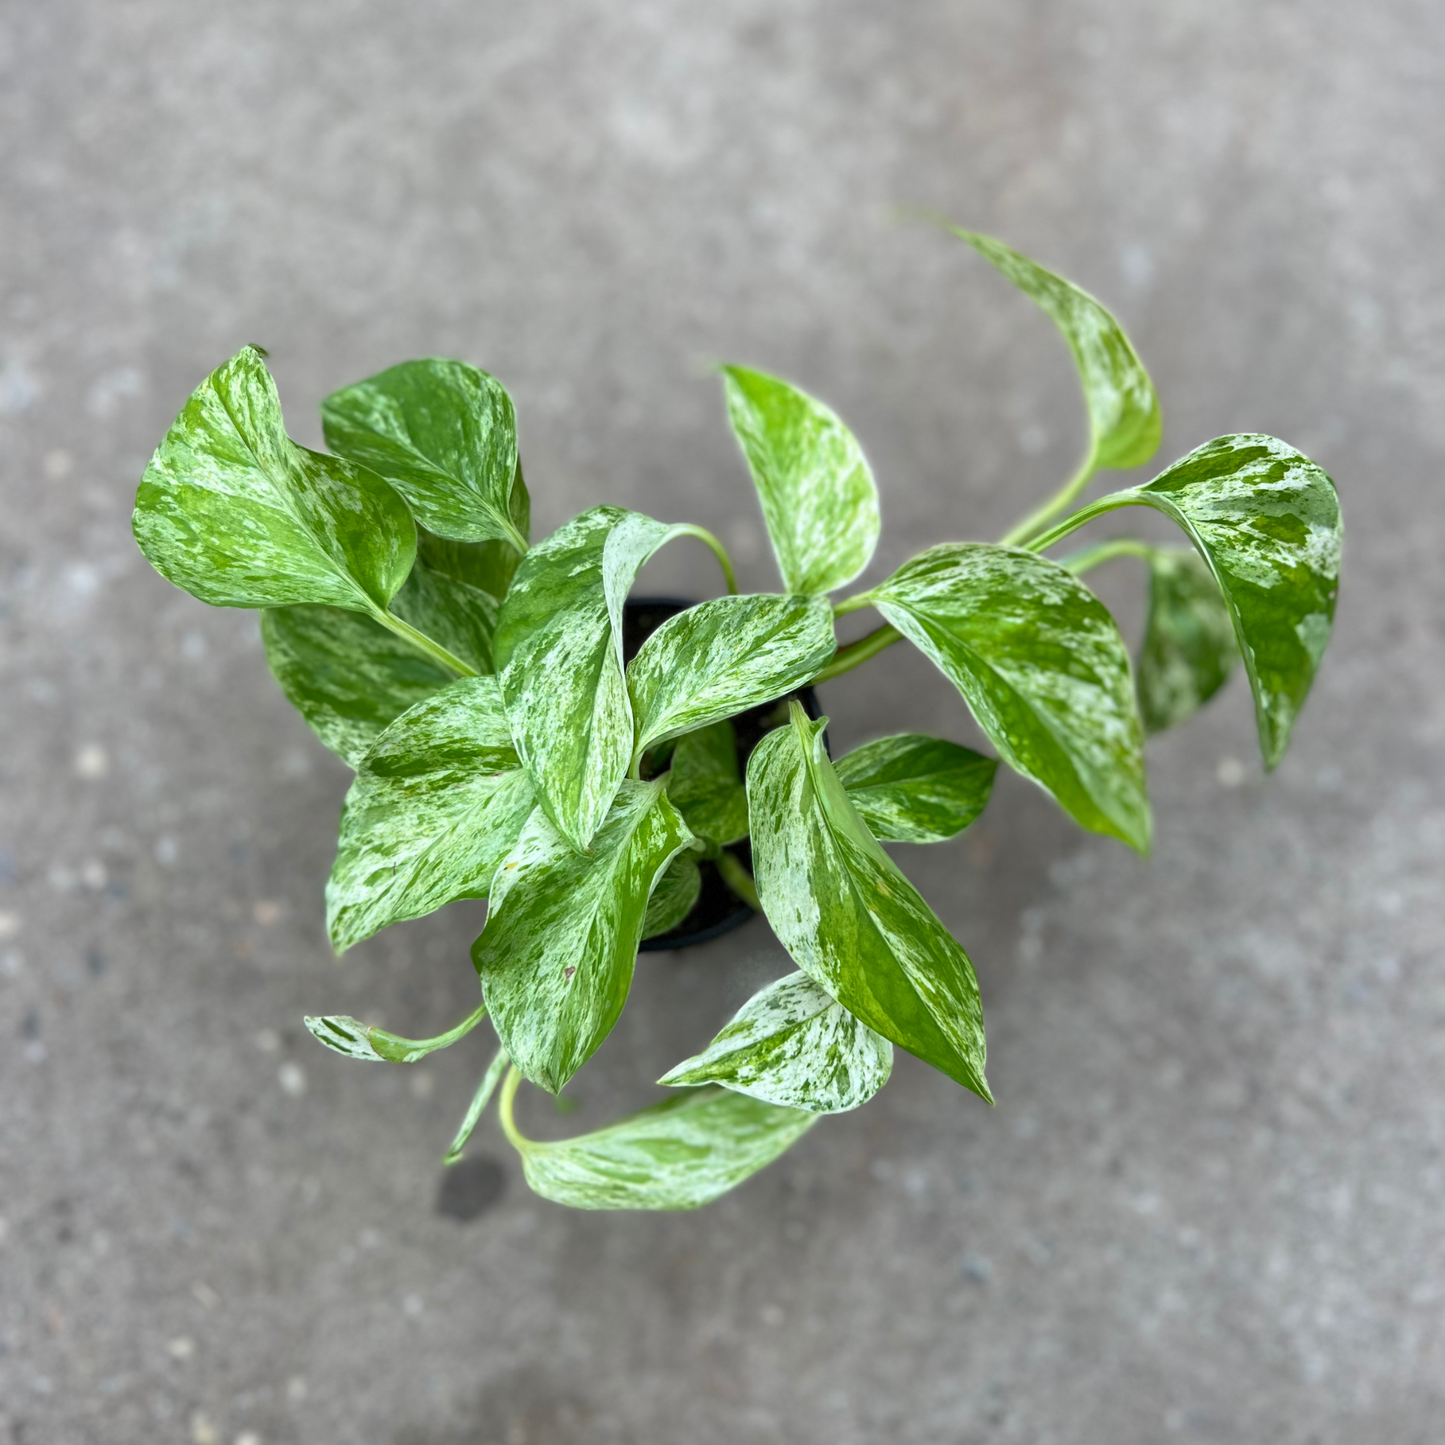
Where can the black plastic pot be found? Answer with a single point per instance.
(718, 908)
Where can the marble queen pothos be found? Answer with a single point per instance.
(505, 749)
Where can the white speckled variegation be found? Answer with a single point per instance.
(792, 1043)
(1189, 649)
(818, 496)
(681, 1153)
(721, 657)
(848, 917)
(231, 509)
(1041, 664)
(705, 785)
(1124, 421)
(911, 788)
(672, 900)
(562, 930)
(438, 801)
(558, 654)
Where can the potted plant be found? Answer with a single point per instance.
(522, 733)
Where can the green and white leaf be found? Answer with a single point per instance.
(231, 509)
(910, 788)
(558, 653)
(347, 676)
(850, 919)
(793, 1044)
(1124, 420)
(673, 898)
(1189, 649)
(562, 930)
(1041, 664)
(679, 1154)
(1267, 521)
(357, 1040)
(721, 657)
(444, 435)
(705, 785)
(438, 802)
(488, 566)
(818, 496)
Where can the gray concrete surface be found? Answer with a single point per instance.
(1208, 1204)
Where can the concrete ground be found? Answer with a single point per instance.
(1208, 1204)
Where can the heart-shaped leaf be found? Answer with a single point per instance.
(721, 657)
(1124, 421)
(681, 1153)
(357, 1040)
(1189, 649)
(438, 801)
(1041, 664)
(231, 509)
(562, 930)
(673, 898)
(1267, 521)
(705, 785)
(444, 435)
(558, 651)
(818, 496)
(793, 1044)
(915, 789)
(851, 921)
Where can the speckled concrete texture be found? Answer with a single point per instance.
(1208, 1204)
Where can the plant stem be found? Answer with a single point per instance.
(479, 1102)
(423, 643)
(398, 1050)
(1016, 535)
(516, 538)
(1057, 533)
(847, 658)
(505, 1100)
(738, 879)
(702, 534)
(1091, 557)
(855, 603)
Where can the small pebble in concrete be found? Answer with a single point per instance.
(292, 1078)
(1230, 772)
(181, 1348)
(92, 761)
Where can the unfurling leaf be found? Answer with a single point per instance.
(558, 652)
(681, 1153)
(357, 1040)
(915, 789)
(817, 493)
(1189, 648)
(706, 786)
(438, 801)
(793, 1044)
(851, 921)
(562, 930)
(1124, 422)
(231, 509)
(1267, 521)
(444, 435)
(719, 658)
(1041, 664)
(673, 898)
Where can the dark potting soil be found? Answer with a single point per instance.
(718, 908)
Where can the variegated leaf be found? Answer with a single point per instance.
(673, 898)
(1041, 664)
(706, 786)
(851, 921)
(679, 1154)
(357, 1040)
(721, 657)
(1189, 649)
(558, 653)
(793, 1044)
(438, 801)
(444, 435)
(818, 496)
(231, 509)
(562, 930)
(910, 788)
(1124, 421)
